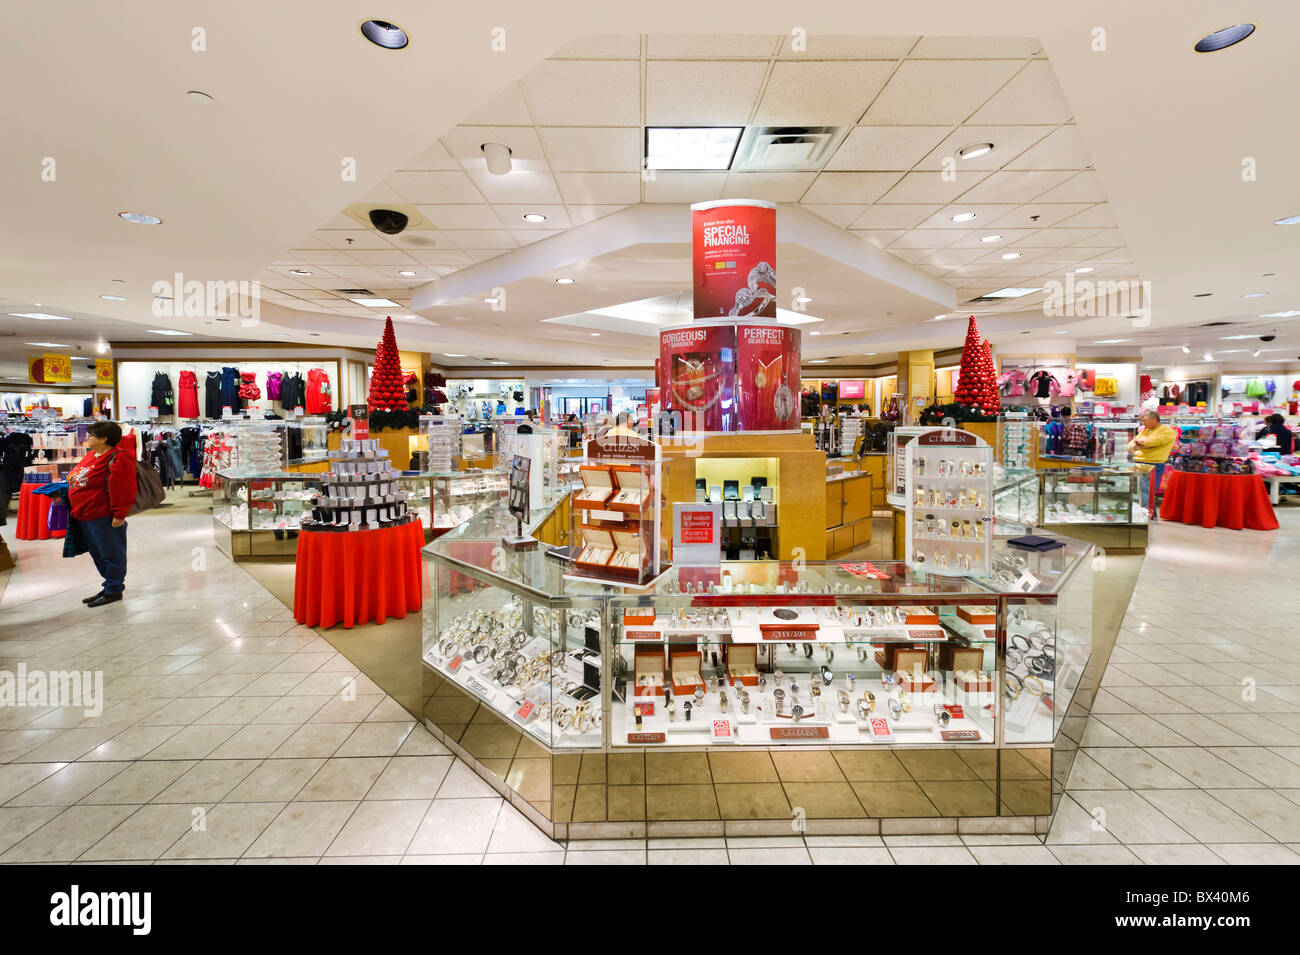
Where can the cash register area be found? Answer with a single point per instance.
(216, 697)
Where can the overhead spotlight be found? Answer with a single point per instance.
(974, 150)
(1186, 350)
(1083, 270)
(1222, 39)
(101, 348)
(385, 34)
(1289, 220)
(534, 217)
(299, 272)
(564, 281)
(406, 273)
(1209, 357)
(963, 217)
(140, 218)
(498, 158)
(990, 238)
(1010, 255)
(1257, 353)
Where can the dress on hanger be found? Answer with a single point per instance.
(229, 389)
(273, 385)
(188, 388)
(318, 391)
(1012, 383)
(212, 395)
(160, 396)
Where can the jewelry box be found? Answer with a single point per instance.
(630, 490)
(685, 669)
(648, 671)
(597, 486)
(629, 551)
(979, 616)
(742, 660)
(597, 547)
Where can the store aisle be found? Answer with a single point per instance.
(227, 736)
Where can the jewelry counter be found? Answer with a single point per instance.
(846, 697)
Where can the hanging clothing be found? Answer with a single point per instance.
(1043, 384)
(160, 396)
(293, 392)
(1012, 383)
(273, 385)
(248, 389)
(1087, 377)
(1107, 386)
(1068, 384)
(229, 389)
(318, 392)
(212, 395)
(188, 387)
(1074, 439)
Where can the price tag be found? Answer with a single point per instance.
(955, 711)
(721, 730)
(647, 708)
(226, 412)
(454, 663)
(297, 411)
(525, 712)
(153, 411)
(880, 730)
(132, 412)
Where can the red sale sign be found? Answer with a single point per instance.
(697, 528)
(734, 258)
(767, 377)
(699, 364)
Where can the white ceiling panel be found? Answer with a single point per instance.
(974, 239)
(529, 236)
(507, 108)
(685, 93)
(1107, 238)
(390, 257)
(437, 186)
(1057, 238)
(670, 186)
(1015, 187)
(465, 145)
(353, 240)
(479, 239)
(583, 214)
(381, 195)
(850, 186)
(930, 187)
(517, 187)
(435, 157)
(600, 46)
(1049, 214)
(952, 257)
(1100, 216)
(1062, 148)
(460, 216)
(924, 239)
(841, 216)
(836, 47)
(709, 46)
(880, 238)
(1033, 96)
(447, 257)
(938, 91)
(886, 147)
(974, 47)
(1008, 142)
(1083, 187)
(325, 258)
(984, 215)
(772, 186)
(821, 92)
(593, 149)
(513, 217)
(882, 216)
(600, 188)
(585, 93)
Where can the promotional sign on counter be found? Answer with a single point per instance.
(699, 361)
(360, 417)
(767, 377)
(697, 534)
(734, 258)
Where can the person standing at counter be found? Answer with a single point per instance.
(1275, 425)
(1150, 448)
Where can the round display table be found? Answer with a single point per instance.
(34, 515)
(1217, 500)
(355, 577)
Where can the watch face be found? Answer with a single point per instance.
(783, 402)
(784, 613)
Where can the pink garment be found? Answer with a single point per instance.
(1068, 385)
(273, 385)
(1012, 383)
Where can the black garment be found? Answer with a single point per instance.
(1042, 382)
(161, 397)
(1285, 439)
(212, 395)
(15, 454)
(293, 392)
(295, 442)
(1197, 392)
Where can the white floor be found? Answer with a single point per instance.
(228, 738)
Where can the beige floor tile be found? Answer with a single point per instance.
(314, 740)
(228, 830)
(193, 742)
(1253, 853)
(422, 743)
(139, 783)
(68, 785)
(275, 780)
(19, 777)
(208, 781)
(461, 782)
(375, 739)
(1013, 855)
(411, 777)
(19, 822)
(456, 826)
(132, 743)
(257, 740)
(145, 835)
(302, 828)
(342, 779)
(68, 834)
(380, 828)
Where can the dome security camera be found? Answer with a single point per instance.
(388, 221)
(1267, 338)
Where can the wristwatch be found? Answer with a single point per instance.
(797, 712)
(686, 709)
(843, 698)
(671, 707)
(943, 716)
(722, 701)
(827, 675)
(895, 708)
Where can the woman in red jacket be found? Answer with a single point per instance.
(101, 490)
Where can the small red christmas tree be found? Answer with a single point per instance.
(977, 384)
(387, 388)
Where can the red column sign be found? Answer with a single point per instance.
(360, 415)
(767, 377)
(734, 258)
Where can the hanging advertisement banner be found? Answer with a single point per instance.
(103, 373)
(50, 370)
(698, 362)
(734, 258)
(767, 377)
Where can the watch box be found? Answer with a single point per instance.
(597, 486)
(648, 671)
(972, 681)
(630, 490)
(629, 551)
(684, 666)
(597, 547)
(979, 616)
(910, 661)
(742, 660)
(916, 681)
(639, 617)
(922, 617)
(887, 655)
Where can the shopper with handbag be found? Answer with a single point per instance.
(101, 490)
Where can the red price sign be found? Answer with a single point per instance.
(697, 527)
(454, 664)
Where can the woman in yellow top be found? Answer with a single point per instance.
(1151, 447)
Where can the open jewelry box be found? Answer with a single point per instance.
(632, 487)
(597, 486)
(685, 669)
(597, 547)
(742, 663)
(648, 671)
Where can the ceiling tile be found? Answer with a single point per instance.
(1056, 237)
(448, 257)
(974, 47)
(882, 216)
(886, 147)
(974, 239)
(465, 145)
(441, 186)
(1100, 216)
(671, 186)
(952, 257)
(482, 255)
(1033, 96)
(913, 255)
(1048, 213)
(598, 46)
(701, 94)
(593, 149)
(1008, 142)
(709, 46)
(326, 258)
(821, 92)
(1063, 148)
(850, 47)
(513, 217)
(1108, 238)
(507, 108)
(585, 93)
(595, 188)
(353, 240)
(478, 216)
(434, 157)
(1109, 256)
(391, 257)
(880, 238)
(1083, 187)
(517, 187)
(929, 187)
(938, 91)
(984, 216)
(529, 236)
(851, 186)
(836, 215)
(1014, 187)
(580, 215)
(478, 238)
(924, 239)
(772, 186)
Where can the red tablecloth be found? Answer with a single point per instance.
(34, 515)
(353, 577)
(1218, 500)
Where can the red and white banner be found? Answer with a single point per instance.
(698, 365)
(734, 258)
(767, 377)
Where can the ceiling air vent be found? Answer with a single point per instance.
(418, 239)
(786, 148)
(353, 292)
(1217, 324)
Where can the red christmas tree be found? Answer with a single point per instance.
(977, 383)
(387, 388)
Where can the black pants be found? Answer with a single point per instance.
(107, 545)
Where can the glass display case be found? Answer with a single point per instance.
(459, 495)
(601, 710)
(308, 440)
(1100, 505)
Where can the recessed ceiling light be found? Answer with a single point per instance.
(940, 318)
(1234, 338)
(990, 238)
(498, 363)
(385, 34)
(814, 333)
(1254, 295)
(1062, 331)
(406, 272)
(1288, 314)
(1085, 269)
(564, 281)
(871, 353)
(448, 354)
(1010, 255)
(691, 147)
(113, 298)
(40, 316)
(1202, 295)
(963, 217)
(595, 334)
(199, 96)
(375, 302)
(1208, 357)
(48, 344)
(1257, 353)
(818, 361)
(101, 348)
(1186, 350)
(1289, 220)
(299, 272)
(123, 281)
(140, 218)
(1111, 341)
(1010, 292)
(1222, 39)
(167, 331)
(534, 217)
(974, 150)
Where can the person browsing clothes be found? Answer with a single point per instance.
(101, 490)
(1151, 447)
(1275, 425)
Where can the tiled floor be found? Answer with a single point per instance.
(232, 735)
